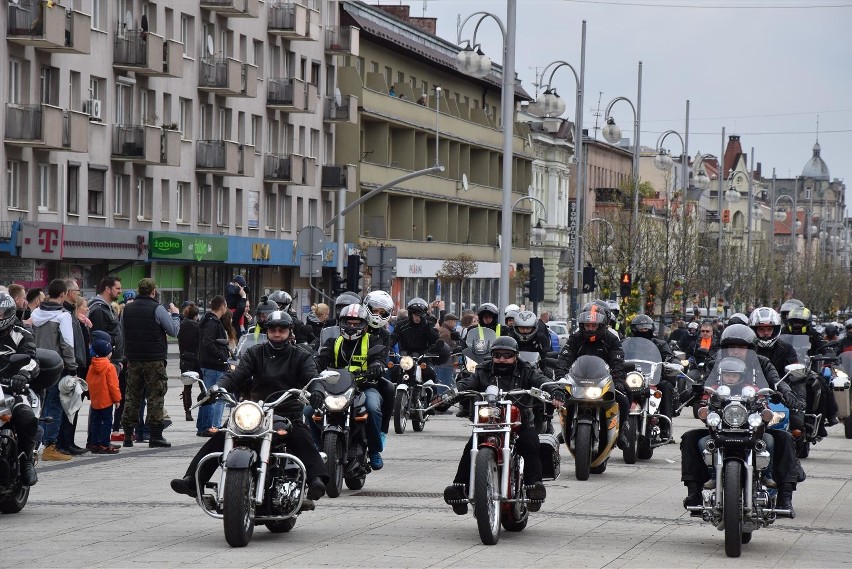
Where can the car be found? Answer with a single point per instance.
(560, 328)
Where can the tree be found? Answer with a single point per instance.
(455, 271)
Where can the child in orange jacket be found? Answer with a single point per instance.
(103, 392)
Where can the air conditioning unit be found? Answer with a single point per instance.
(92, 107)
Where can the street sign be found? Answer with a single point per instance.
(310, 266)
(310, 240)
(381, 256)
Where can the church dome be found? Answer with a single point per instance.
(816, 168)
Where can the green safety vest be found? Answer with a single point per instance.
(359, 357)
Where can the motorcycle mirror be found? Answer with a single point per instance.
(765, 391)
(189, 377)
(796, 370)
(16, 362)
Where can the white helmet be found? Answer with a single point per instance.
(376, 301)
(528, 320)
(352, 330)
(511, 308)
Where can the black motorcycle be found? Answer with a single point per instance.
(415, 388)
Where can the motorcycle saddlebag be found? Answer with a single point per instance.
(548, 448)
(841, 396)
(50, 370)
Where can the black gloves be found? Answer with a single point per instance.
(317, 399)
(18, 383)
(377, 369)
(791, 401)
(558, 398)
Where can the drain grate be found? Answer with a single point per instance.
(399, 495)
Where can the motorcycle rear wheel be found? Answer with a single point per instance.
(282, 526)
(238, 507)
(14, 503)
(630, 451)
(400, 412)
(732, 509)
(486, 497)
(333, 448)
(582, 451)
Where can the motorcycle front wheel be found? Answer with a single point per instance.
(418, 418)
(238, 507)
(400, 412)
(15, 502)
(333, 448)
(732, 509)
(629, 451)
(582, 451)
(486, 497)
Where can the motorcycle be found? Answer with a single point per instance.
(477, 347)
(735, 450)
(590, 416)
(496, 484)
(805, 425)
(13, 494)
(413, 394)
(842, 393)
(543, 411)
(644, 366)
(261, 482)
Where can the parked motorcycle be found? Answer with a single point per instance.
(261, 482)
(842, 393)
(590, 416)
(651, 429)
(496, 484)
(737, 453)
(413, 393)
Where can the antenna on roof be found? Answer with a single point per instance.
(817, 132)
(539, 79)
(425, 3)
(597, 113)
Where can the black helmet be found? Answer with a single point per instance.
(8, 313)
(737, 318)
(526, 319)
(832, 330)
(788, 306)
(417, 306)
(487, 308)
(282, 299)
(799, 320)
(737, 335)
(642, 326)
(595, 315)
(266, 308)
(279, 319)
(589, 368)
(504, 344)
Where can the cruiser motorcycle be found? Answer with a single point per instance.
(413, 393)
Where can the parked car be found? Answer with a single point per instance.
(560, 328)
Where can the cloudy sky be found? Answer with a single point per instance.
(763, 69)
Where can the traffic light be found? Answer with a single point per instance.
(338, 285)
(527, 291)
(626, 284)
(726, 216)
(536, 279)
(589, 278)
(353, 273)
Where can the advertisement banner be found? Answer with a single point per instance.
(187, 247)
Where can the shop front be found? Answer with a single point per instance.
(188, 266)
(417, 278)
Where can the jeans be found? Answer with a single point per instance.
(53, 409)
(122, 387)
(100, 423)
(445, 374)
(210, 415)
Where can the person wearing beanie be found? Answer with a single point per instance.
(103, 392)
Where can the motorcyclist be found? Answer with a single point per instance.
(350, 350)
(263, 370)
(380, 306)
(261, 314)
(687, 341)
(766, 324)
(595, 339)
(614, 323)
(487, 318)
(787, 306)
(340, 303)
(509, 315)
(642, 326)
(17, 340)
(527, 332)
(704, 346)
(738, 341)
(507, 372)
(302, 333)
(737, 318)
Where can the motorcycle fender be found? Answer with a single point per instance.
(635, 408)
(332, 428)
(402, 387)
(240, 458)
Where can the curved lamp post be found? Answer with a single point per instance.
(538, 233)
(612, 134)
(472, 61)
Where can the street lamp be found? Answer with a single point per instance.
(538, 233)
(467, 59)
(612, 134)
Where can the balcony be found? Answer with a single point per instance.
(147, 54)
(224, 158)
(346, 111)
(31, 22)
(294, 22)
(342, 40)
(336, 176)
(232, 8)
(145, 144)
(283, 168)
(227, 77)
(291, 95)
(46, 127)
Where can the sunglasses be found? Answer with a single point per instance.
(503, 356)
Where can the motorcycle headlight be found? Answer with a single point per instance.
(634, 380)
(735, 414)
(723, 391)
(713, 420)
(593, 392)
(337, 402)
(406, 362)
(486, 412)
(247, 416)
(749, 391)
(755, 420)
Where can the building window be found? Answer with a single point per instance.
(221, 206)
(238, 208)
(14, 184)
(258, 57)
(312, 211)
(286, 213)
(14, 89)
(181, 201)
(120, 190)
(256, 138)
(46, 186)
(186, 32)
(144, 198)
(271, 212)
(97, 9)
(73, 183)
(204, 203)
(165, 199)
(97, 183)
(185, 119)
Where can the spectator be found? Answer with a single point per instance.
(68, 429)
(236, 295)
(19, 295)
(392, 92)
(34, 298)
(146, 325)
(213, 359)
(544, 317)
(229, 330)
(53, 330)
(188, 349)
(468, 320)
(424, 98)
(317, 318)
(448, 333)
(103, 393)
(104, 316)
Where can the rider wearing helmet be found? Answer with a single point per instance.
(509, 315)
(351, 350)
(380, 306)
(737, 318)
(508, 372)
(527, 332)
(14, 339)
(487, 315)
(642, 326)
(614, 323)
(766, 324)
(262, 312)
(787, 307)
(302, 333)
(417, 334)
(594, 339)
(265, 369)
(738, 341)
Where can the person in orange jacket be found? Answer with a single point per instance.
(103, 392)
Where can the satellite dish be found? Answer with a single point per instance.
(529, 140)
(464, 182)
(128, 20)
(338, 99)
(209, 44)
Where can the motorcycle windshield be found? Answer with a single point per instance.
(753, 376)
(329, 332)
(846, 363)
(801, 343)
(645, 357)
(344, 383)
(529, 357)
(247, 341)
(478, 341)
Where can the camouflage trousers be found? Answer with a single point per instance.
(150, 379)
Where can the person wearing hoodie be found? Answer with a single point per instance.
(53, 329)
(104, 393)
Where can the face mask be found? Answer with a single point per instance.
(503, 368)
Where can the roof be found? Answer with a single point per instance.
(379, 26)
(816, 168)
(783, 227)
(733, 151)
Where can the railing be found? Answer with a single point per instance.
(333, 176)
(27, 17)
(128, 140)
(338, 39)
(132, 49)
(279, 91)
(24, 122)
(282, 17)
(210, 154)
(214, 72)
(277, 167)
(66, 129)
